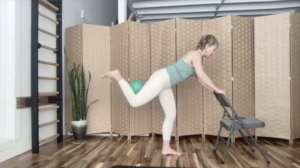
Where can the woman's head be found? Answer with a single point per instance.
(208, 44)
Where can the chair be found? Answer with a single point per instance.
(237, 123)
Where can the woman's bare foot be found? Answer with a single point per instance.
(115, 74)
(170, 151)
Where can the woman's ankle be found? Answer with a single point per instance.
(166, 144)
(118, 78)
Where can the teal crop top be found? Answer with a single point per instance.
(180, 71)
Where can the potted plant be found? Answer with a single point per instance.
(79, 95)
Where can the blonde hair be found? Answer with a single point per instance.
(207, 39)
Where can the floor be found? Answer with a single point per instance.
(105, 152)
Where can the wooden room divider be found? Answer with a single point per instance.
(140, 68)
(89, 45)
(130, 45)
(277, 71)
(189, 93)
(163, 53)
(119, 60)
(139, 49)
(231, 68)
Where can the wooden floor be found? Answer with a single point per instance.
(105, 152)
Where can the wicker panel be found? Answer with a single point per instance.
(96, 59)
(272, 37)
(189, 93)
(243, 66)
(119, 60)
(273, 106)
(272, 73)
(295, 18)
(295, 75)
(162, 55)
(74, 49)
(139, 53)
(219, 69)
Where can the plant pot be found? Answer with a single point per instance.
(79, 129)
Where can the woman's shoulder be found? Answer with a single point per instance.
(190, 55)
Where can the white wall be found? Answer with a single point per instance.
(7, 69)
(21, 141)
(101, 12)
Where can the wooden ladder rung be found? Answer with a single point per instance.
(48, 108)
(48, 78)
(48, 93)
(48, 123)
(49, 18)
(48, 139)
(48, 4)
(49, 48)
(48, 63)
(49, 33)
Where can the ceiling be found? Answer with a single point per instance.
(148, 11)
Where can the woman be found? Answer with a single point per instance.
(161, 81)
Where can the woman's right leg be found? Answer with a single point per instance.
(156, 83)
(167, 101)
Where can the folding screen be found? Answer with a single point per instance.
(138, 50)
(277, 63)
(89, 45)
(231, 68)
(189, 93)
(295, 75)
(120, 60)
(219, 69)
(139, 68)
(130, 46)
(243, 67)
(163, 53)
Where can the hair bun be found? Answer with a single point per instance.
(207, 39)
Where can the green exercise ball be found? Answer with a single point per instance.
(136, 85)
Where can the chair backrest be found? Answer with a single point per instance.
(225, 103)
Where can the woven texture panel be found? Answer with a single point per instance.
(74, 50)
(219, 69)
(139, 53)
(119, 60)
(272, 73)
(189, 93)
(243, 67)
(163, 53)
(96, 59)
(295, 74)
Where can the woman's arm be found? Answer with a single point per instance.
(197, 62)
(206, 86)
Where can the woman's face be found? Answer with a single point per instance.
(209, 50)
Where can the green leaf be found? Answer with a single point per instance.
(91, 104)
(77, 88)
(87, 90)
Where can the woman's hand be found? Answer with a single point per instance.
(220, 91)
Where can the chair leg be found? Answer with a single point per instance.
(218, 138)
(258, 147)
(247, 141)
(227, 144)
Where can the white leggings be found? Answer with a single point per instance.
(157, 85)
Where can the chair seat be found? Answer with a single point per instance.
(249, 122)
